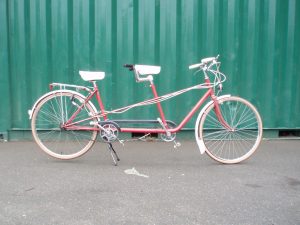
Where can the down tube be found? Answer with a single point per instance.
(192, 112)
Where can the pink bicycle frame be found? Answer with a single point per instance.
(209, 93)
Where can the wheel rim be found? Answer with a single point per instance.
(231, 146)
(47, 129)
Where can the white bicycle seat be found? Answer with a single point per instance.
(147, 70)
(91, 76)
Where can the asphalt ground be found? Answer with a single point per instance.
(171, 186)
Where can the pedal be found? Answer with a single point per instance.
(121, 142)
(177, 144)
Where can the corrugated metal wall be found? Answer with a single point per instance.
(259, 42)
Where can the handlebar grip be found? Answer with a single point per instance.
(194, 66)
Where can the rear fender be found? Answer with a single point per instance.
(31, 111)
(199, 141)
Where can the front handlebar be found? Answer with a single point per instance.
(205, 62)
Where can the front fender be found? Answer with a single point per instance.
(199, 141)
(30, 111)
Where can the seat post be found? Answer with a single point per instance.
(98, 96)
(160, 110)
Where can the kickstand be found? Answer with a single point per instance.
(113, 154)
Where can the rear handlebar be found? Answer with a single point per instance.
(138, 78)
(129, 66)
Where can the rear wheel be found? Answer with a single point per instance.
(47, 123)
(238, 143)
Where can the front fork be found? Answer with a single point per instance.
(217, 107)
(219, 114)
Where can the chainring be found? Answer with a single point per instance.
(109, 133)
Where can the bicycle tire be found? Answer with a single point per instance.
(50, 113)
(231, 146)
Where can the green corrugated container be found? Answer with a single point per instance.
(44, 41)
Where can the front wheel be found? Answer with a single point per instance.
(48, 118)
(236, 144)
